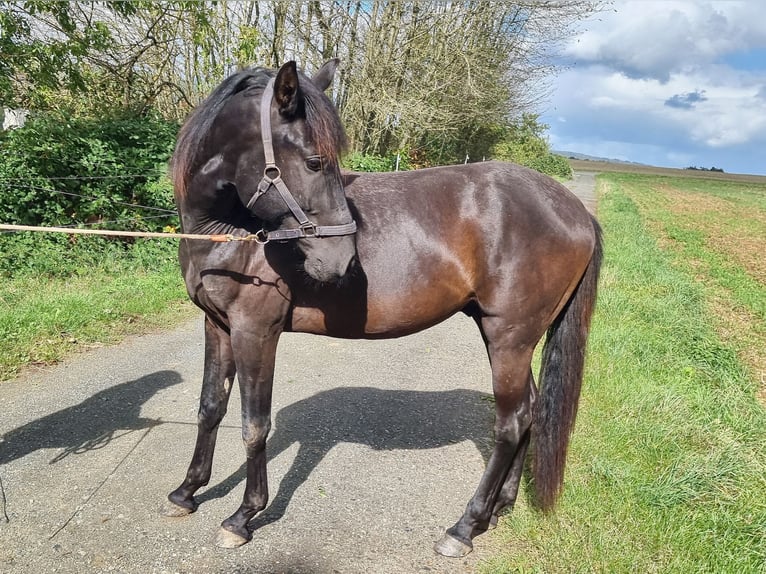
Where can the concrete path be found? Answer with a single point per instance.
(583, 185)
(375, 449)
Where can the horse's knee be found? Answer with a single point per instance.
(254, 434)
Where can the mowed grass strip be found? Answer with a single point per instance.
(717, 232)
(44, 318)
(667, 468)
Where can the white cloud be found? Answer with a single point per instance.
(651, 79)
(659, 38)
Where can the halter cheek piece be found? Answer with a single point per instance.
(273, 176)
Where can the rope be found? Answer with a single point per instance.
(222, 238)
(134, 219)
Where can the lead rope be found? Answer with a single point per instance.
(218, 238)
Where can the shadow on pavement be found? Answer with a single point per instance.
(380, 419)
(90, 425)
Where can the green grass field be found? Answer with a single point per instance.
(59, 302)
(667, 469)
(637, 168)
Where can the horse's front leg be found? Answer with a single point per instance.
(214, 397)
(255, 355)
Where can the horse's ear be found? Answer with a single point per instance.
(323, 78)
(286, 89)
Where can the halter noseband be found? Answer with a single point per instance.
(273, 176)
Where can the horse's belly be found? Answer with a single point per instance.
(377, 318)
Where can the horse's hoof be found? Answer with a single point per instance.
(492, 522)
(173, 510)
(227, 539)
(452, 547)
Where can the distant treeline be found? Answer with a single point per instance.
(718, 169)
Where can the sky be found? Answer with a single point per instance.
(666, 83)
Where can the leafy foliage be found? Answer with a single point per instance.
(429, 76)
(371, 162)
(44, 49)
(523, 142)
(63, 170)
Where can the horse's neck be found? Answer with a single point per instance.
(216, 213)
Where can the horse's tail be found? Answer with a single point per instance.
(560, 381)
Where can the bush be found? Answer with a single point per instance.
(523, 143)
(63, 170)
(373, 163)
(552, 164)
(55, 255)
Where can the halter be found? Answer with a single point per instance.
(273, 176)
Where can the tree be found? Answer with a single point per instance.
(432, 77)
(43, 48)
(523, 142)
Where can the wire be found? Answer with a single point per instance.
(48, 190)
(85, 177)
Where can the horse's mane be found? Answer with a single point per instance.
(322, 120)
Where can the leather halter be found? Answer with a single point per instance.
(273, 176)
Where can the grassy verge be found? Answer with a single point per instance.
(716, 232)
(61, 300)
(667, 469)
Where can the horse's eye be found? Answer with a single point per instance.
(314, 163)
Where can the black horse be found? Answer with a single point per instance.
(375, 256)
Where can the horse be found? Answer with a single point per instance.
(358, 255)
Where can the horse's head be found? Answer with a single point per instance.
(299, 191)
(270, 143)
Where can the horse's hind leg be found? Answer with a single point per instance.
(510, 355)
(216, 386)
(507, 497)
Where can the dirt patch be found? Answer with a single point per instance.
(730, 229)
(734, 231)
(746, 332)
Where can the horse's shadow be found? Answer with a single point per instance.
(380, 419)
(91, 424)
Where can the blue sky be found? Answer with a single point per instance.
(666, 83)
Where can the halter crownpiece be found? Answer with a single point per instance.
(272, 176)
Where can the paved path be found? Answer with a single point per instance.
(583, 185)
(376, 448)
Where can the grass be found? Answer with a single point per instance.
(69, 300)
(716, 232)
(667, 468)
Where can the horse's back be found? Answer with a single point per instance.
(431, 242)
(488, 189)
(489, 212)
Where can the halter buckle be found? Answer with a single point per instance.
(309, 229)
